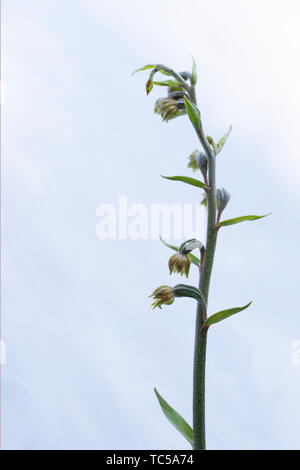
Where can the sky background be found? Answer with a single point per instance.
(84, 348)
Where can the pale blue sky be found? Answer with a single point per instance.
(84, 349)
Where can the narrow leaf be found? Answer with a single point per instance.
(244, 218)
(169, 83)
(178, 422)
(164, 72)
(222, 141)
(219, 316)
(194, 72)
(193, 258)
(173, 247)
(187, 180)
(146, 67)
(193, 113)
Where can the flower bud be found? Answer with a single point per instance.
(223, 198)
(201, 160)
(185, 75)
(180, 263)
(163, 295)
(149, 86)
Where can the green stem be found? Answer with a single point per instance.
(176, 76)
(200, 331)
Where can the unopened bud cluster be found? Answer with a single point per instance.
(173, 105)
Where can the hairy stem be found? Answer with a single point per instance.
(200, 331)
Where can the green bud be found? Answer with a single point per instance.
(211, 141)
(149, 86)
(185, 75)
(223, 198)
(201, 160)
(194, 73)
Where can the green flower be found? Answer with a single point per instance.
(163, 295)
(169, 108)
(180, 263)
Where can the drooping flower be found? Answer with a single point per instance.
(180, 263)
(162, 295)
(169, 108)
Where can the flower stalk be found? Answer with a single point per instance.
(181, 100)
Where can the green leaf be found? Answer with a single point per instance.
(169, 83)
(244, 218)
(193, 113)
(173, 247)
(187, 180)
(193, 258)
(164, 72)
(178, 422)
(219, 316)
(222, 141)
(194, 72)
(146, 67)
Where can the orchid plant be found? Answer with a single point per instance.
(180, 101)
